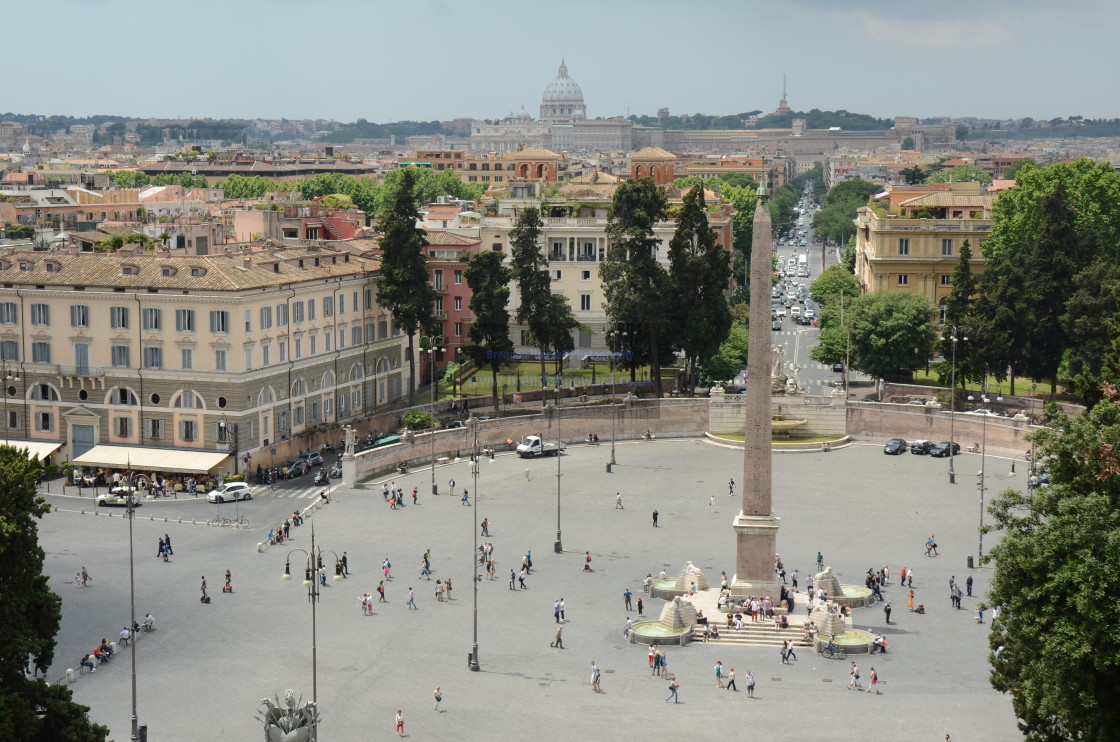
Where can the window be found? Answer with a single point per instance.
(9, 350)
(314, 345)
(327, 342)
(369, 298)
(248, 359)
(122, 426)
(186, 358)
(265, 426)
(585, 275)
(354, 300)
(40, 352)
(184, 320)
(382, 329)
(281, 315)
(342, 303)
(152, 319)
(186, 401)
(266, 354)
(44, 392)
(328, 406)
(9, 313)
(946, 279)
(41, 314)
(458, 303)
(297, 311)
(188, 430)
(153, 357)
(356, 398)
(585, 302)
(313, 412)
(282, 420)
(299, 347)
(297, 415)
(248, 320)
(458, 277)
(341, 339)
(370, 337)
(557, 275)
(220, 360)
(903, 245)
(120, 355)
(283, 351)
(81, 358)
(903, 279)
(266, 318)
(328, 306)
(947, 247)
(219, 321)
(355, 335)
(79, 315)
(118, 318)
(13, 419)
(310, 310)
(155, 428)
(44, 421)
(943, 311)
(458, 329)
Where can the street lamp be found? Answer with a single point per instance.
(952, 404)
(431, 346)
(9, 373)
(558, 547)
(314, 567)
(475, 577)
(616, 335)
(980, 485)
(131, 512)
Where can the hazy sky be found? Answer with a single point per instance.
(386, 60)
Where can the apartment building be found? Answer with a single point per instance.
(910, 241)
(241, 353)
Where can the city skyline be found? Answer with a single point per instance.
(262, 59)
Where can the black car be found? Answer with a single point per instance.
(838, 368)
(894, 446)
(921, 447)
(776, 325)
(942, 449)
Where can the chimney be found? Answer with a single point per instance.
(247, 261)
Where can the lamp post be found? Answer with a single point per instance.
(129, 495)
(616, 335)
(558, 547)
(9, 373)
(475, 577)
(431, 346)
(314, 567)
(953, 404)
(980, 484)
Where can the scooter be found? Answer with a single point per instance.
(335, 472)
(321, 477)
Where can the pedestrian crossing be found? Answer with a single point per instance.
(296, 492)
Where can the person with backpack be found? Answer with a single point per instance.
(673, 686)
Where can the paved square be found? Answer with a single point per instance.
(205, 668)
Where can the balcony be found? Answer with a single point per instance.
(439, 314)
(586, 257)
(83, 371)
(441, 289)
(933, 225)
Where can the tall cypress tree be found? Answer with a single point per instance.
(960, 312)
(534, 284)
(488, 279)
(404, 289)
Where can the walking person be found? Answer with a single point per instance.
(345, 564)
(719, 674)
(853, 675)
(558, 640)
(673, 686)
(640, 606)
(887, 611)
(512, 578)
(873, 685)
(731, 487)
(203, 589)
(438, 695)
(910, 600)
(521, 579)
(626, 596)
(451, 484)
(596, 677)
(400, 723)
(820, 562)
(731, 680)
(486, 527)
(556, 610)
(789, 650)
(968, 584)
(381, 592)
(167, 541)
(162, 546)
(618, 501)
(411, 600)
(750, 683)
(910, 577)
(562, 606)
(655, 517)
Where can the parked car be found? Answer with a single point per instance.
(294, 468)
(455, 424)
(894, 446)
(838, 368)
(942, 449)
(776, 325)
(230, 491)
(983, 411)
(313, 458)
(1039, 479)
(921, 447)
(118, 497)
(917, 402)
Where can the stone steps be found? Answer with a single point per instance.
(753, 635)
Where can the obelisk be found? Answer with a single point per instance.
(756, 528)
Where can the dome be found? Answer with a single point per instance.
(562, 88)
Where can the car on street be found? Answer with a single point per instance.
(776, 325)
(781, 311)
(229, 492)
(838, 368)
(294, 468)
(983, 411)
(313, 458)
(942, 449)
(1039, 479)
(921, 446)
(894, 446)
(118, 497)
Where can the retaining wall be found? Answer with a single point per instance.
(824, 415)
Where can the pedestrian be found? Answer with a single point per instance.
(618, 501)
(451, 484)
(587, 561)
(414, 494)
(640, 606)
(411, 599)
(663, 665)
(647, 583)
(874, 684)
(556, 610)
(853, 675)
(381, 592)
(712, 502)
(162, 546)
(655, 517)
(820, 562)
(203, 588)
(486, 527)
(719, 674)
(910, 577)
(400, 723)
(595, 678)
(558, 640)
(902, 577)
(629, 625)
(512, 577)
(731, 680)
(345, 565)
(228, 587)
(968, 584)
(562, 604)
(789, 650)
(167, 540)
(731, 487)
(626, 596)
(750, 683)
(785, 653)
(673, 686)
(466, 497)
(521, 579)
(654, 661)
(887, 611)
(438, 695)
(910, 600)
(793, 580)
(385, 491)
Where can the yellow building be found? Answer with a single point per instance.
(914, 246)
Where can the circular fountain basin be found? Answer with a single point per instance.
(652, 632)
(854, 596)
(666, 589)
(852, 641)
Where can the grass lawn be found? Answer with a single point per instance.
(479, 383)
(1022, 385)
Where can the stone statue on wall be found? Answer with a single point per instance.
(351, 440)
(290, 721)
(778, 360)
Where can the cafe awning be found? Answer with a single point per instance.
(145, 459)
(36, 449)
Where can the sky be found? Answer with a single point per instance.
(388, 60)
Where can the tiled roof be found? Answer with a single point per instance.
(947, 200)
(596, 177)
(1000, 185)
(439, 237)
(652, 153)
(532, 153)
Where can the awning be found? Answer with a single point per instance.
(143, 458)
(39, 449)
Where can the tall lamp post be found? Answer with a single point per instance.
(616, 335)
(953, 404)
(314, 567)
(8, 373)
(431, 346)
(558, 547)
(475, 577)
(129, 500)
(980, 483)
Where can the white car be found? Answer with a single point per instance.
(983, 411)
(795, 311)
(230, 491)
(118, 497)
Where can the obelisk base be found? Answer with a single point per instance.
(756, 539)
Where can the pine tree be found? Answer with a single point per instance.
(488, 279)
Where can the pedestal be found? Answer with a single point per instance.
(350, 471)
(756, 538)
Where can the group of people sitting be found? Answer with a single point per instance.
(103, 651)
(280, 534)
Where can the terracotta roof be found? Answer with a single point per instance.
(652, 153)
(599, 190)
(596, 177)
(440, 237)
(947, 199)
(1000, 185)
(532, 153)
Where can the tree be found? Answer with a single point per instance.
(914, 175)
(742, 227)
(833, 341)
(831, 283)
(129, 179)
(699, 274)
(558, 324)
(729, 360)
(31, 615)
(635, 284)
(962, 132)
(534, 284)
(488, 278)
(907, 143)
(848, 259)
(1012, 173)
(959, 309)
(960, 174)
(1090, 335)
(1057, 550)
(834, 221)
(891, 332)
(404, 289)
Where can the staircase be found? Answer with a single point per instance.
(760, 634)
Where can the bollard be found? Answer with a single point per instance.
(69, 675)
(969, 561)
(608, 467)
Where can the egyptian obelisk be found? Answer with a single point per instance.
(756, 528)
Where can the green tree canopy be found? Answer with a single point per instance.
(488, 278)
(907, 143)
(1012, 173)
(959, 309)
(730, 359)
(238, 186)
(834, 220)
(891, 332)
(834, 281)
(1091, 324)
(530, 271)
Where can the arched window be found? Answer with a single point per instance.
(382, 366)
(188, 401)
(265, 397)
(328, 379)
(121, 396)
(357, 372)
(299, 388)
(44, 392)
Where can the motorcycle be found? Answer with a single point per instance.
(335, 472)
(321, 477)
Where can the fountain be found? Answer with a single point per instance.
(853, 596)
(681, 584)
(830, 624)
(674, 627)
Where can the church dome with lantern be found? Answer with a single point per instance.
(562, 101)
